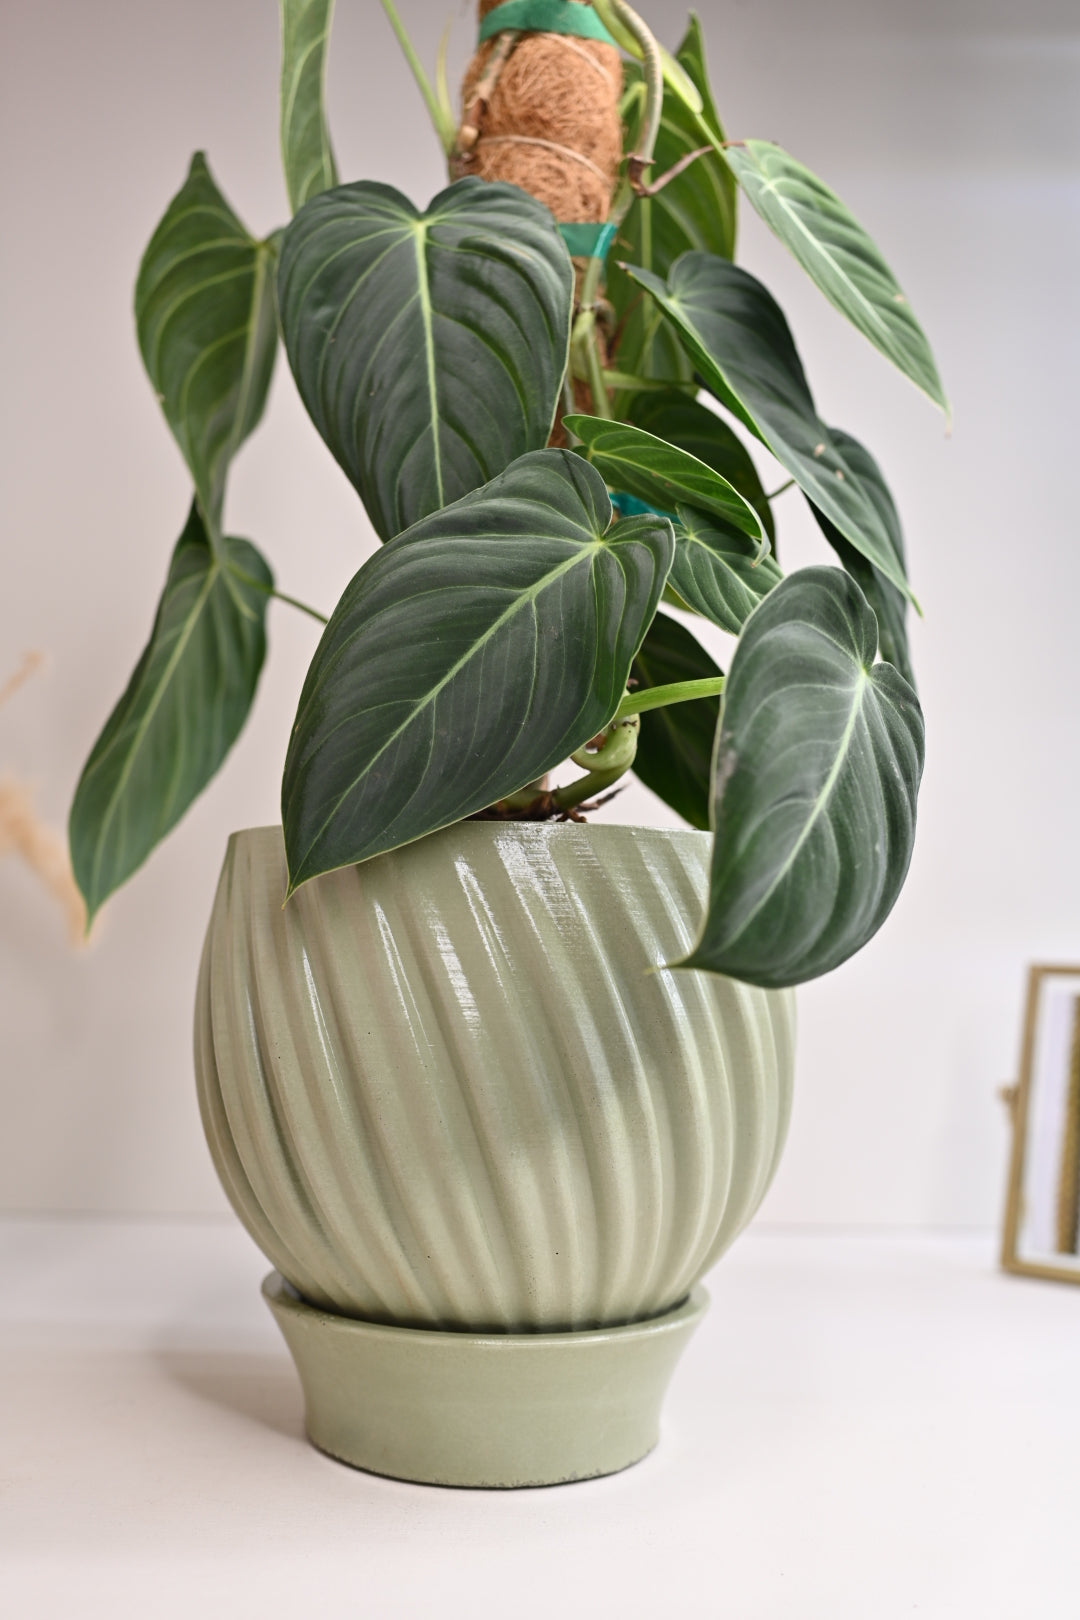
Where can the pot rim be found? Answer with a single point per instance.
(536, 832)
(284, 1299)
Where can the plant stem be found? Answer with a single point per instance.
(442, 87)
(605, 758)
(629, 23)
(294, 601)
(675, 75)
(272, 591)
(631, 27)
(595, 367)
(569, 405)
(467, 136)
(626, 383)
(605, 764)
(527, 796)
(780, 490)
(586, 360)
(585, 788)
(654, 188)
(658, 697)
(590, 283)
(443, 127)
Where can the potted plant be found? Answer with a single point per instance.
(497, 1084)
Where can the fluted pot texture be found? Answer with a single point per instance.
(457, 1087)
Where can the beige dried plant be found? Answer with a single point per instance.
(22, 833)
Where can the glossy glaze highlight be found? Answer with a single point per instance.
(455, 1086)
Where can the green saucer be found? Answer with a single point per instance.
(488, 1410)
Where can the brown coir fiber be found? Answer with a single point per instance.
(550, 124)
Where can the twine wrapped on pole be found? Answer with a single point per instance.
(541, 110)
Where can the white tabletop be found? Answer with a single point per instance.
(866, 1427)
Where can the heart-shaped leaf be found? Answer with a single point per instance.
(305, 140)
(890, 608)
(473, 654)
(718, 572)
(675, 744)
(428, 348)
(741, 344)
(837, 254)
(204, 310)
(816, 779)
(694, 210)
(672, 415)
(183, 709)
(643, 465)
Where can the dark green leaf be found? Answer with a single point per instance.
(816, 778)
(672, 416)
(643, 465)
(837, 254)
(691, 56)
(305, 140)
(675, 746)
(204, 309)
(743, 349)
(890, 608)
(695, 210)
(428, 348)
(470, 656)
(717, 570)
(183, 709)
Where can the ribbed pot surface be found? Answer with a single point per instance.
(450, 1088)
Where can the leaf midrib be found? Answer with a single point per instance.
(420, 234)
(263, 258)
(716, 554)
(680, 458)
(710, 478)
(772, 186)
(307, 178)
(141, 729)
(823, 797)
(524, 599)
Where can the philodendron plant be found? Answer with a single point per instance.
(514, 617)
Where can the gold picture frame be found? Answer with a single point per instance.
(1060, 1203)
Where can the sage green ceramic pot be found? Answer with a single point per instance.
(453, 1094)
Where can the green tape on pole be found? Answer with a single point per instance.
(588, 241)
(545, 17)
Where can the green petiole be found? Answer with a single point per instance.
(294, 601)
(440, 113)
(276, 595)
(658, 697)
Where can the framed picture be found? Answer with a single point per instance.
(1042, 1211)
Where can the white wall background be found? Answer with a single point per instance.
(951, 129)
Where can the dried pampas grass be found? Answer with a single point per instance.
(23, 834)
